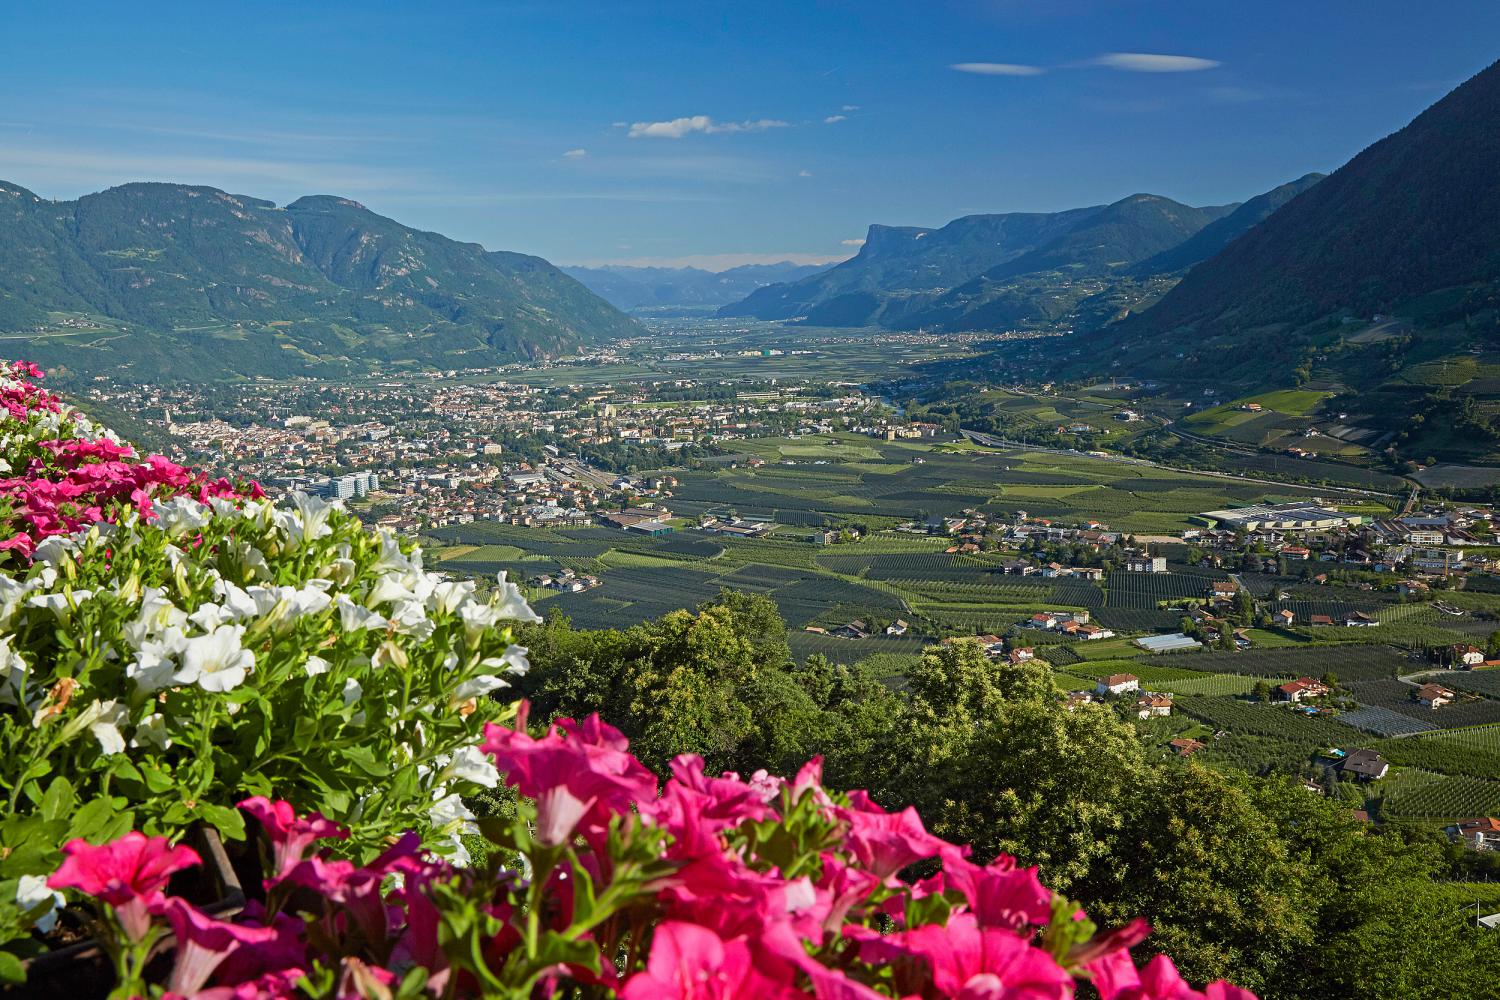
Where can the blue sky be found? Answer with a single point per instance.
(715, 132)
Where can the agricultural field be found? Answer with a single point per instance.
(1442, 760)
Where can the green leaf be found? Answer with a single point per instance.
(59, 800)
(229, 822)
(11, 970)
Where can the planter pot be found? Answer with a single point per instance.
(82, 971)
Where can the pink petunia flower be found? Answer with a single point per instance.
(128, 874)
(1000, 895)
(579, 775)
(886, 842)
(203, 943)
(689, 962)
(962, 956)
(290, 835)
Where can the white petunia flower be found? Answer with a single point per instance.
(217, 661)
(389, 589)
(315, 665)
(352, 693)
(152, 730)
(154, 663)
(157, 615)
(391, 557)
(448, 596)
(353, 618)
(210, 616)
(12, 593)
(31, 892)
(60, 604)
(476, 686)
(455, 851)
(54, 549)
(309, 521)
(110, 717)
(410, 618)
(449, 809)
(343, 571)
(181, 516)
(509, 603)
(13, 672)
(471, 764)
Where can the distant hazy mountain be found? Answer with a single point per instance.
(1416, 212)
(999, 271)
(898, 262)
(628, 288)
(192, 282)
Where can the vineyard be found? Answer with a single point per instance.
(1266, 720)
(1425, 796)
(1144, 591)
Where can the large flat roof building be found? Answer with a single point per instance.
(1283, 517)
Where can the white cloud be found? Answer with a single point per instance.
(834, 118)
(850, 107)
(576, 154)
(679, 127)
(852, 243)
(804, 173)
(998, 69)
(1146, 62)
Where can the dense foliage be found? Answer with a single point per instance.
(1253, 880)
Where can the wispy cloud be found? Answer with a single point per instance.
(998, 69)
(576, 154)
(804, 173)
(852, 243)
(1148, 62)
(677, 128)
(850, 107)
(831, 119)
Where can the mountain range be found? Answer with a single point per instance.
(1082, 267)
(1416, 212)
(662, 289)
(171, 280)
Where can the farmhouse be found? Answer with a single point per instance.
(897, 627)
(1365, 765)
(1285, 617)
(1482, 833)
(1466, 657)
(856, 629)
(1358, 619)
(1185, 747)
(1117, 684)
(1433, 696)
(1150, 706)
(1300, 689)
